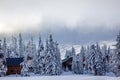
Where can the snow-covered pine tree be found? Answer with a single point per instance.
(117, 66)
(51, 55)
(21, 46)
(40, 59)
(104, 53)
(68, 54)
(28, 49)
(3, 66)
(112, 59)
(81, 60)
(13, 47)
(46, 59)
(99, 64)
(108, 58)
(57, 59)
(25, 68)
(9, 51)
(73, 53)
(31, 49)
(31, 55)
(87, 55)
(78, 62)
(75, 61)
(5, 47)
(91, 60)
(77, 65)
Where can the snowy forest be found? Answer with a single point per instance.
(44, 58)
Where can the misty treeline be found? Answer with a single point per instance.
(45, 58)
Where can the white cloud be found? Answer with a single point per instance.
(86, 15)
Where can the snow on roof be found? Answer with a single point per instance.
(64, 60)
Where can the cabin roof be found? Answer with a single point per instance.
(14, 61)
(66, 59)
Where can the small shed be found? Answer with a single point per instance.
(13, 65)
(67, 64)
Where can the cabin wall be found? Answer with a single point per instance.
(13, 70)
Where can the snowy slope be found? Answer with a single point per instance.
(64, 47)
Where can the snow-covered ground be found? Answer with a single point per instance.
(64, 76)
(69, 77)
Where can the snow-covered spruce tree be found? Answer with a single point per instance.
(77, 65)
(50, 58)
(58, 59)
(81, 60)
(112, 59)
(117, 66)
(40, 59)
(13, 47)
(46, 59)
(73, 52)
(104, 53)
(31, 54)
(3, 66)
(86, 60)
(21, 46)
(68, 54)
(5, 47)
(28, 49)
(75, 61)
(99, 64)
(9, 51)
(107, 69)
(106, 57)
(25, 68)
(91, 60)
(31, 49)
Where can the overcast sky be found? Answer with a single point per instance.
(70, 21)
